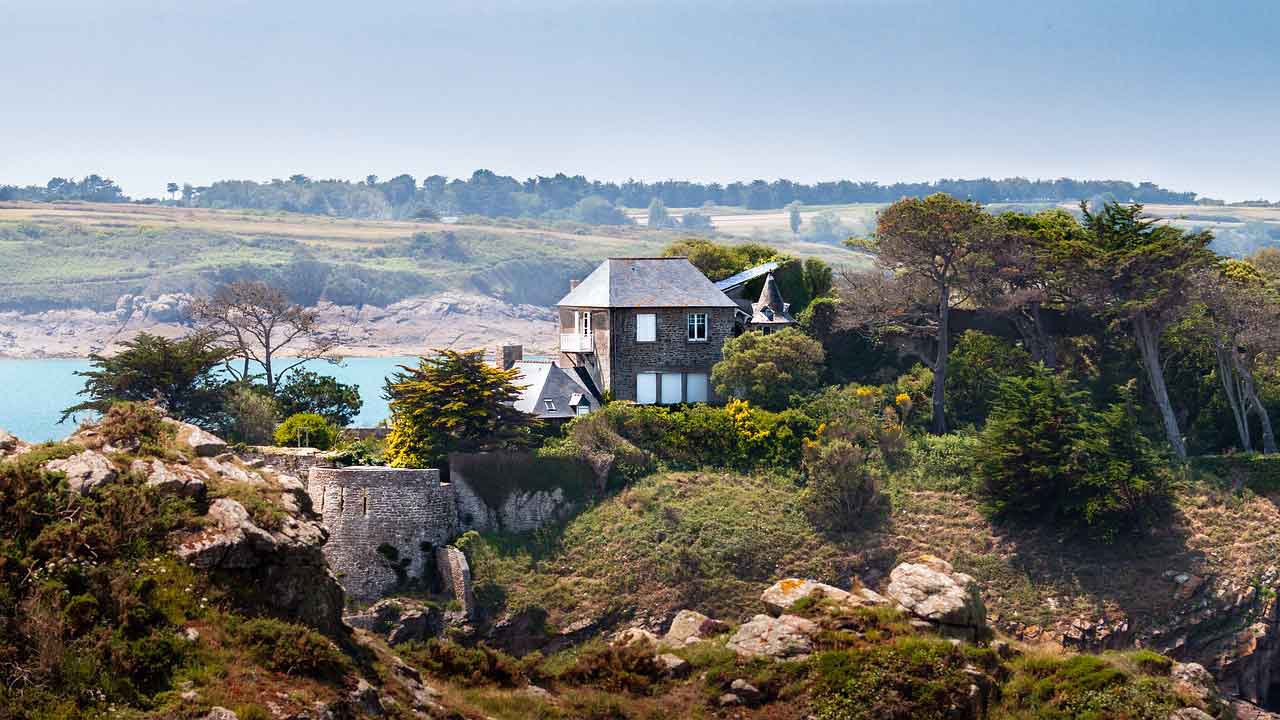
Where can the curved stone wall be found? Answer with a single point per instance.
(383, 523)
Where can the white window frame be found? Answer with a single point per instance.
(646, 321)
(583, 409)
(671, 389)
(694, 323)
(651, 379)
(549, 404)
(690, 383)
(583, 320)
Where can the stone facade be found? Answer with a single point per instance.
(382, 524)
(619, 357)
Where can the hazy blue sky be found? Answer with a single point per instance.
(1181, 93)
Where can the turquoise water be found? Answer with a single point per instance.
(34, 392)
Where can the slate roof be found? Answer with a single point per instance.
(770, 308)
(735, 281)
(547, 381)
(644, 283)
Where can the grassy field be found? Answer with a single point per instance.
(87, 254)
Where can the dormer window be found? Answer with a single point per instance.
(697, 327)
(550, 405)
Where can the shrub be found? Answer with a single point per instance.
(309, 392)
(975, 368)
(291, 649)
(632, 668)
(474, 665)
(1084, 686)
(768, 369)
(306, 430)
(1046, 454)
(131, 424)
(249, 414)
(844, 465)
(922, 679)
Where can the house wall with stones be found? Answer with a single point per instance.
(383, 524)
(671, 352)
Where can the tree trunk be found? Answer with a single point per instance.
(1250, 393)
(1148, 339)
(940, 363)
(1030, 325)
(1227, 373)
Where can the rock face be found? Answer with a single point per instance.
(930, 589)
(85, 470)
(783, 594)
(202, 443)
(283, 570)
(786, 636)
(400, 620)
(173, 479)
(690, 626)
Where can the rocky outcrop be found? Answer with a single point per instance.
(932, 590)
(282, 570)
(400, 620)
(690, 626)
(782, 595)
(85, 470)
(203, 444)
(182, 480)
(783, 637)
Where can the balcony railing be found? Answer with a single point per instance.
(577, 343)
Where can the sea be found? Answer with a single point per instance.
(33, 393)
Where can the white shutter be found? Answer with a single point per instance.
(672, 392)
(646, 388)
(646, 327)
(696, 387)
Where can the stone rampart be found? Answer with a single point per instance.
(384, 524)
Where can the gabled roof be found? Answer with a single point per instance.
(770, 308)
(547, 381)
(646, 282)
(735, 281)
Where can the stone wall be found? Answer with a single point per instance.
(288, 460)
(671, 352)
(455, 576)
(383, 524)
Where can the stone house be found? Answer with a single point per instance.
(553, 393)
(646, 330)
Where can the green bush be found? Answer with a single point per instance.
(976, 366)
(630, 441)
(631, 668)
(768, 369)
(942, 462)
(1045, 453)
(467, 665)
(132, 424)
(1084, 687)
(918, 678)
(291, 649)
(306, 430)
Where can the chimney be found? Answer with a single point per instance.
(510, 355)
(572, 284)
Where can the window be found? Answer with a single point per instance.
(646, 388)
(550, 404)
(646, 327)
(695, 387)
(672, 390)
(697, 327)
(584, 409)
(584, 323)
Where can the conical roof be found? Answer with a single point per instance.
(771, 309)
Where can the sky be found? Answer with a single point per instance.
(1184, 94)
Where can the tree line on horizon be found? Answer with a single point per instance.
(564, 197)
